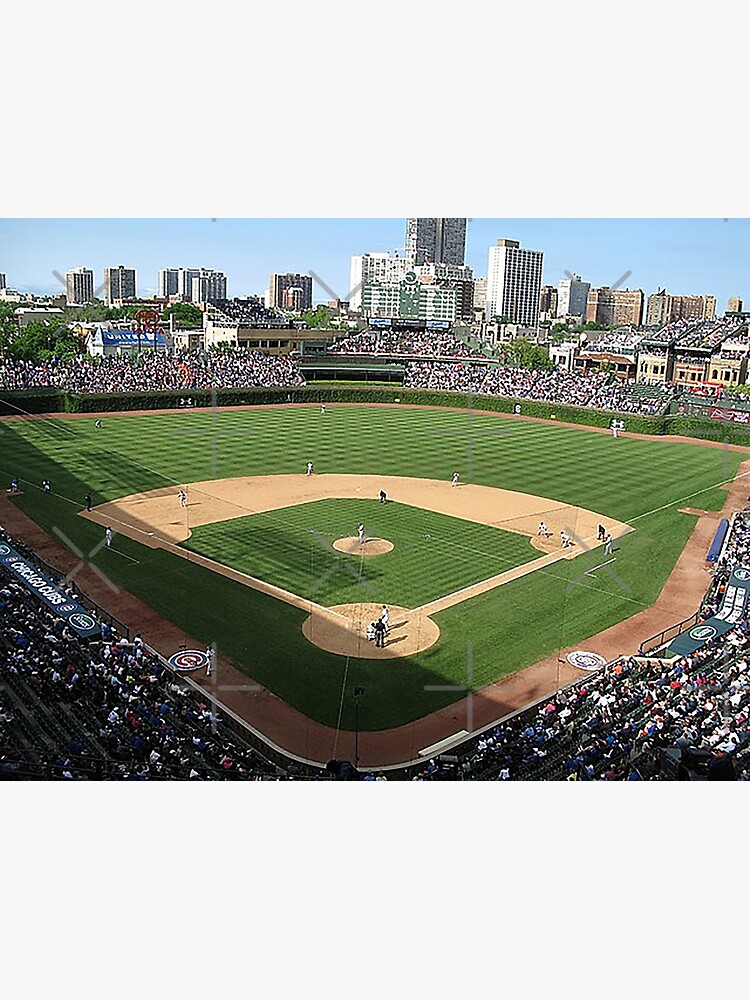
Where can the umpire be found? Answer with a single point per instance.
(380, 633)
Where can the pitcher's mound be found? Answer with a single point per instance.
(342, 629)
(370, 546)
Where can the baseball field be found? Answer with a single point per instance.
(265, 561)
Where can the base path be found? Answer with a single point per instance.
(157, 519)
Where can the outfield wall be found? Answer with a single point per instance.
(696, 425)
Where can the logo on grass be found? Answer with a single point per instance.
(82, 621)
(585, 661)
(702, 632)
(188, 659)
(742, 574)
(4, 550)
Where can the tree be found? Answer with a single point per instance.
(527, 355)
(318, 318)
(186, 315)
(40, 341)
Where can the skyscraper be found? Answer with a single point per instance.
(79, 286)
(279, 284)
(3, 280)
(119, 283)
(514, 281)
(437, 241)
(572, 296)
(169, 282)
(208, 286)
(369, 267)
(615, 306)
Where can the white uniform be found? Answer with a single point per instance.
(108, 536)
(385, 616)
(361, 533)
(543, 529)
(565, 539)
(322, 407)
(454, 481)
(183, 498)
(309, 468)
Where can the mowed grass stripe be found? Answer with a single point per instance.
(433, 554)
(509, 628)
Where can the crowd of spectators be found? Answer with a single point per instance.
(154, 370)
(251, 311)
(611, 342)
(419, 343)
(596, 390)
(103, 708)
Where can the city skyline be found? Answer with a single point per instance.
(685, 256)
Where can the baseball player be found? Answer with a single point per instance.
(383, 496)
(565, 539)
(98, 424)
(454, 480)
(87, 501)
(309, 469)
(379, 633)
(543, 530)
(361, 534)
(608, 544)
(601, 533)
(108, 536)
(385, 616)
(46, 485)
(323, 408)
(183, 498)
(14, 484)
(615, 425)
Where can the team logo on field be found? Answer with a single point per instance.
(4, 550)
(742, 573)
(188, 659)
(585, 661)
(67, 607)
(82, 621)
(702, 632)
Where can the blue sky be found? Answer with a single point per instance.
(687, 256)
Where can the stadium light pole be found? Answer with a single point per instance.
(358, 692)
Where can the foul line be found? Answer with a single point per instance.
(724, 482)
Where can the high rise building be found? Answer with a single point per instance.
(615, 307)
(208, 286)
(169, 282)
(281, 283)
(457, 276)
(436, 241)
(79, 286)
(662, 308)
(547, 302)
(373, 267)
(480, 293)
(119, 284)
(734, 305)
(514, 281)
(572, 296)
(3, 280)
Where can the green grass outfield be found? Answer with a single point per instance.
(433, 554)
(511, 627)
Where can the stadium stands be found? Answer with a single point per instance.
(105, 709)
(151, 371)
